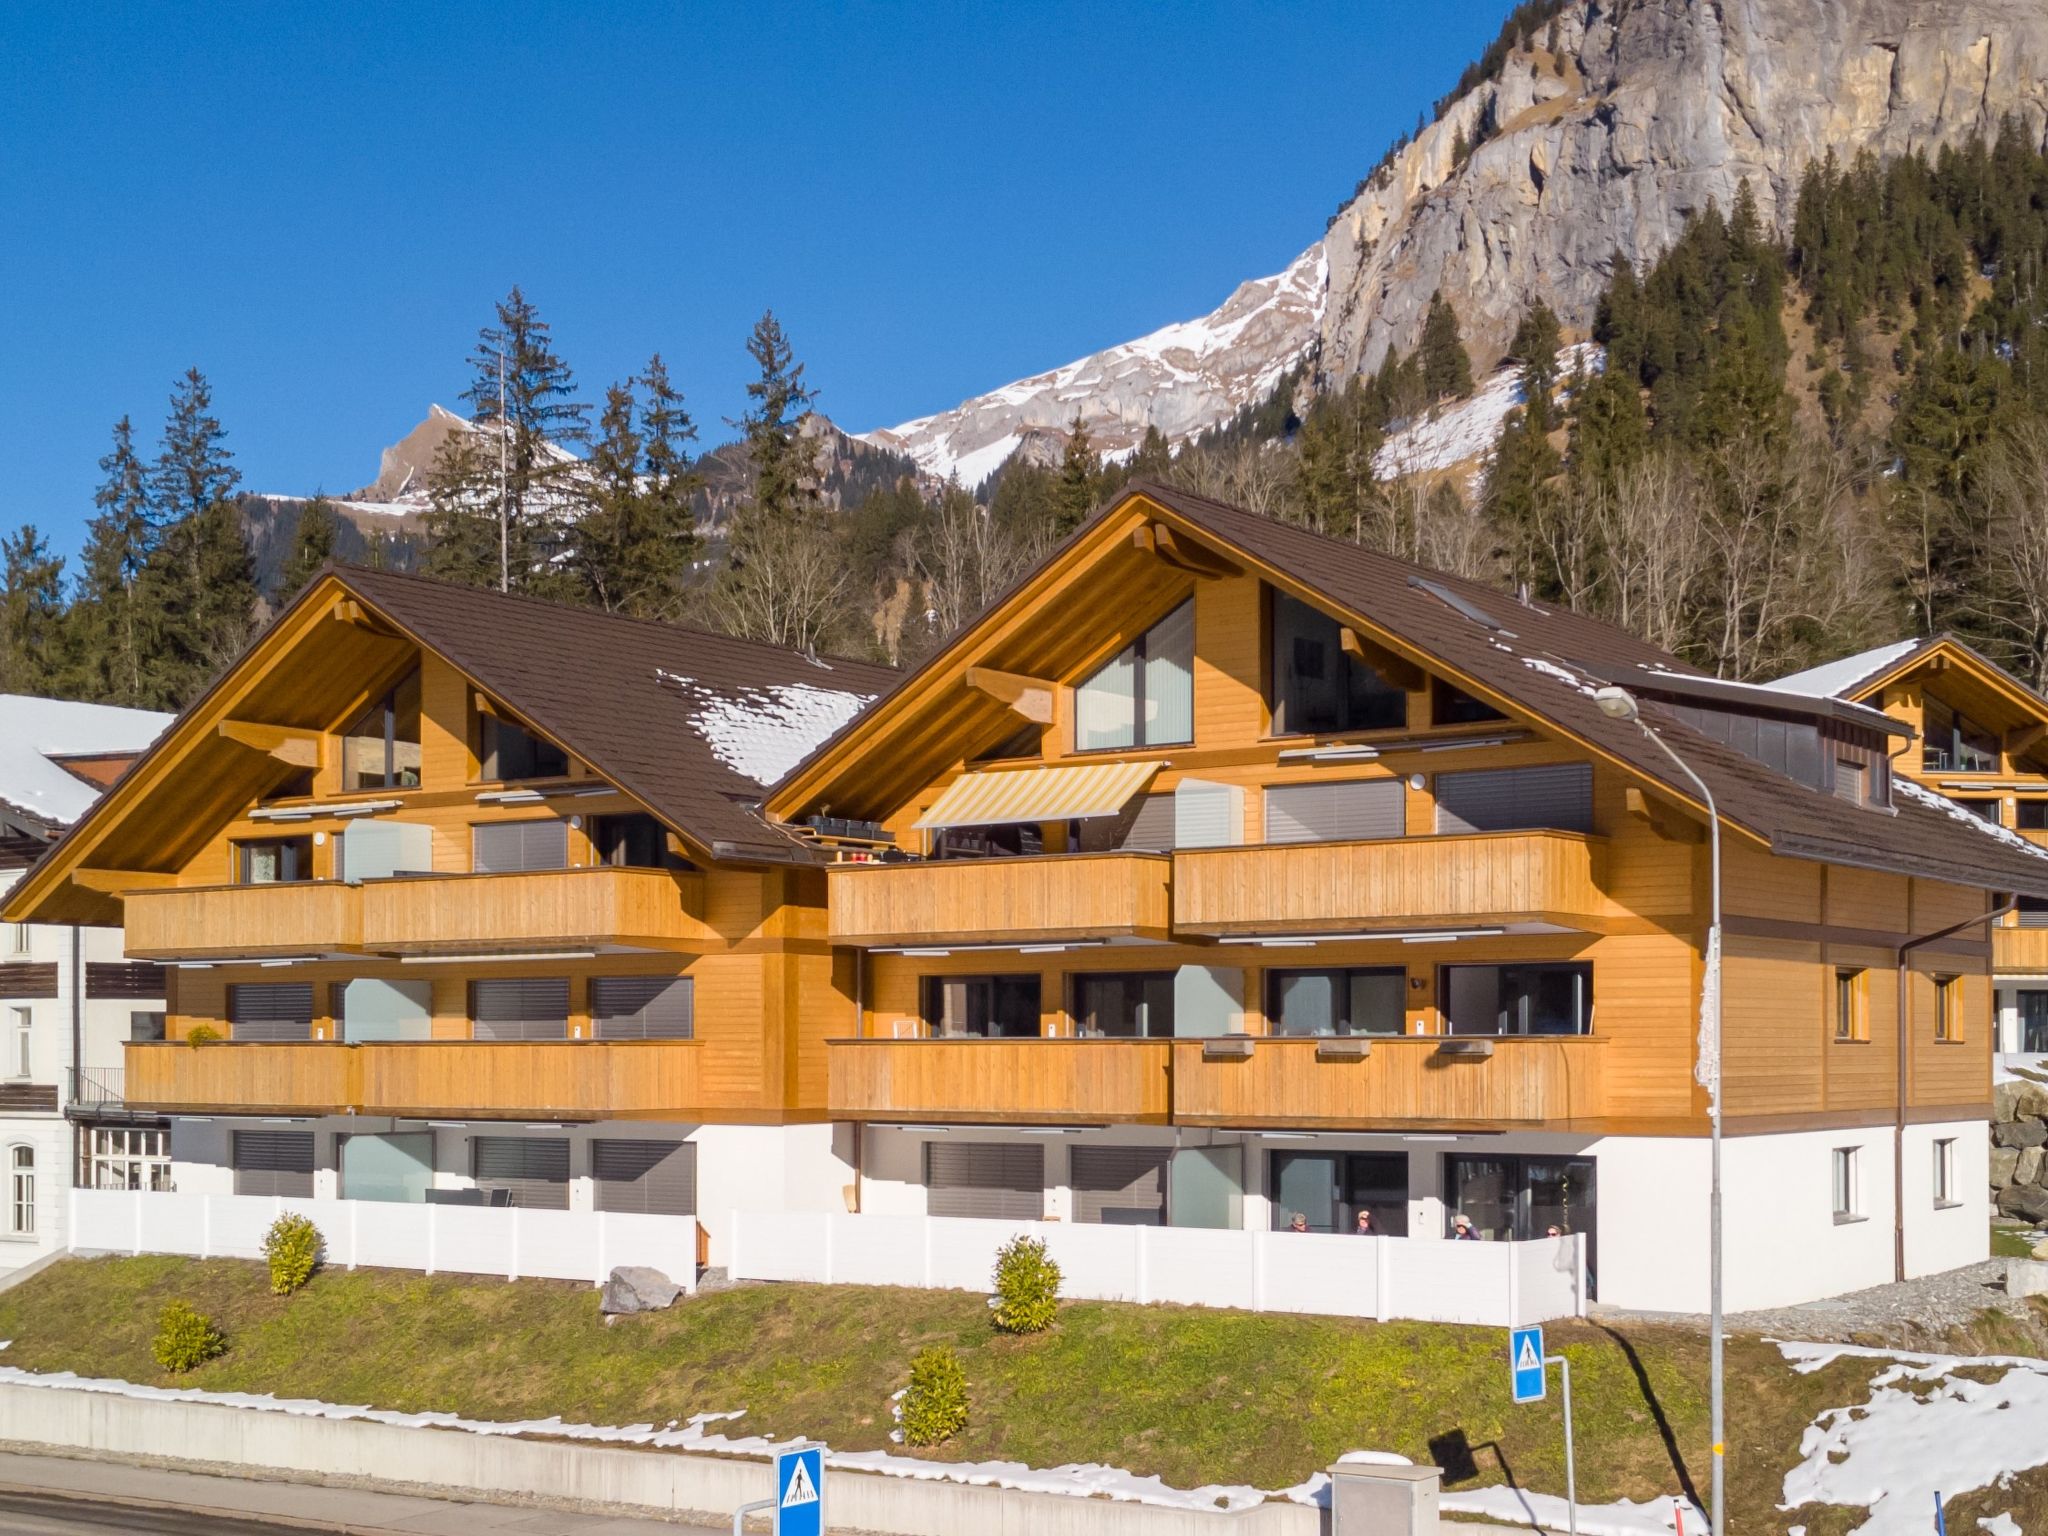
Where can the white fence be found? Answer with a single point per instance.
(1428, 1280)
(450, 1239)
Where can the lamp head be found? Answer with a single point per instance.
(1616, 703)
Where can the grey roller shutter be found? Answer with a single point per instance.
(533, 1171)
(1503, 799)
(653, 1178)
(643, 1007)
(1335, 813)
(966, 1178)
(520, 1008)
(1120, 1185)
(506, 847)
(274, 1163)
(271, 1010)
(1151, 830)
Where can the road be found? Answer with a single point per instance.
(61, 1496)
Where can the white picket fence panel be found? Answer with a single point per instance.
(1420, 1279)
(434, 1239)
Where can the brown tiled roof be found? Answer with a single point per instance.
(1547, 661)
(595, 683)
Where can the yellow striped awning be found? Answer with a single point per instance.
(1038, 794)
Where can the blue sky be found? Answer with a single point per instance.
(318, 205)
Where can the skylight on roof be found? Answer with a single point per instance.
(1457, 604)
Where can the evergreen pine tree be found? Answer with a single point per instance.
(1535, 347)
(32, 629)
(106, 625)
(313, 537)
(1446, 367)
(782, 471)
(196, 597)
(1080, 480)
(636, 537)
(1153, 459)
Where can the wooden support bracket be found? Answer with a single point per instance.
(1031, 697)
(1664, 820)
(112, 882)
(291, 744)
(1398, 671)
(2023, 738)
(1158, 539)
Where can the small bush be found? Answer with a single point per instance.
(202, 1034)
(935, 1407)
(1027, 1287)
(186, 1338)
(294, 1247)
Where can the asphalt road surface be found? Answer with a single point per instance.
(50, 1514)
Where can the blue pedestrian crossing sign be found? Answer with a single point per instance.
(800, 1491)
(1525, 1363)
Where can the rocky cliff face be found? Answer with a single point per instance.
(1645, 111)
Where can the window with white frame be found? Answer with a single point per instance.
(126, 1157)
(1945, 1171)
(21, 1191)
(17, 938)
(1848, 1184)
(20, 1041)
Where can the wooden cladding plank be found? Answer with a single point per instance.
(2020, 951)
(1039, 1081)
(307, 917)
(1404, 1082)
(293, 1076)
(29, 978)
(1056, 896)
(133, 979)
(557, 908)
(1490, 875)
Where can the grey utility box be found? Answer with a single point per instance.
(1374, 1499)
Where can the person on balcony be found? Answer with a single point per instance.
(1462, 1230)
(1366, 1226)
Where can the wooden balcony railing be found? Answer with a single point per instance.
(224, 921)
(542, 909)
(1406, 1082)
(583, 1079)
(1042, 897)
(1490, 877)
(1029, 1081)
(2019, 951)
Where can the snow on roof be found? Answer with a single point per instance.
(1834, 679)
(35, 732)
(763, 732)
(1926, 796)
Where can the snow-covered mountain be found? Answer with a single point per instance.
(1182, 379)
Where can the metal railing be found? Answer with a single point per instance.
(96, 1086)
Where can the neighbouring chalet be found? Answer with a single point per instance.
(470, 894)
(1224, 874)
(1982, 741)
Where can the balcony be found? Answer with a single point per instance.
(1042, 898)
(227, 921)
(2019, 951)
(1491, 878)
(1405, 1082)
(556, 909)
(550, 1079)
(993, 1082)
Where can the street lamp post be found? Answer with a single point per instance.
(1620, 704)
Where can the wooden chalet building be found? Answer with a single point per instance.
(1981, 741)
(469, 896)
(1223, 874)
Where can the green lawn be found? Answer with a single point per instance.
(2011, 1242)
(1192, 1395)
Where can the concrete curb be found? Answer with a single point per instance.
(674, 1485)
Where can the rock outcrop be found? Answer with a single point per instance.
(2019, 1168)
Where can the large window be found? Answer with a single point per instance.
(528, 1171)
(125, 1157)
(509, 847)
(394, 1167)
(643, 1007)
(1328, 1190)
(519, 1008)
(998, 1180)
(1364, 1000)
(381, 747)
(21, 1191)
(991, 1006)
(271, 1010)
(1124, 1004)
(648, 1178)
(1144, 695)
(1955, 744)
(1120, 1186)
(1317, 686)
(1557, 796)
(633, 840)
(273, 1163)
(274, 860)
(1518, 1199)
(509, 751)
(1553, 998)
(1452, 705)
(2033, 1010)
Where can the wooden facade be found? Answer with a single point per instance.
(1045, 899)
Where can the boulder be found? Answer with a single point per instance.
(2019, 1133)
(2004, 1164)
(2017, 1100)
(636, 1288)
(2027, 1170)
(2027, 1202)
(2039, 1250)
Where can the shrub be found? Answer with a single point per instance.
(1027, 1287)
(935, 1407)
(202, 1034)
(185, 1338)
(294, 1247)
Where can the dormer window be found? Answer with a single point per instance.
(381, 747)
(1318, 687)
(511, 752)
(1144, 695)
